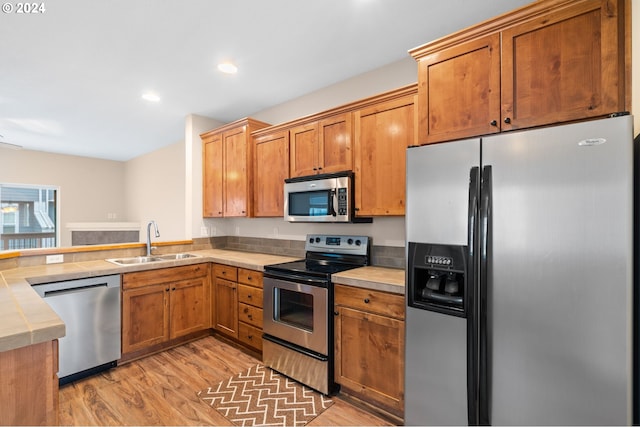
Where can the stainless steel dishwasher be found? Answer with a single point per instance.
(90, 309)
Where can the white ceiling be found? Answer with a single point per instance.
(71, 78)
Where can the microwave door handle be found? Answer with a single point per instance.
(333, 201)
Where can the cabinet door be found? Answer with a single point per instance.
(304, 150)
(212, 177)
(235, 172)
(335, 152)
(226, 307)
(369, 353)
(188, 307)
(383, 133)
(565, 65)
(270, 169)
(459, 91)
(145, 317)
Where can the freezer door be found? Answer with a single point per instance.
(560, 275)
(436, 366)
(438, 191)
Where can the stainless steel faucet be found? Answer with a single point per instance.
(155, 226)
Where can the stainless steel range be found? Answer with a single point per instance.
(298, 308)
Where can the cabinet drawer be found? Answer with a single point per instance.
(140, 279)
(250, 335)
(250, 277)
(250, 295)
(225, 272)
(383, 303)
(250, 314)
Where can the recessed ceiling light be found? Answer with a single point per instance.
(151, 97)
(227, 68)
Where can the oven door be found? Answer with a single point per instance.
(297, 313)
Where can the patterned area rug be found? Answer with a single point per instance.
(262, 397)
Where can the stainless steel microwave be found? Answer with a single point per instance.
(320, 198)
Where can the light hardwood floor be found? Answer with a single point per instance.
(161, 390)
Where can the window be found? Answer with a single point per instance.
(28, 216)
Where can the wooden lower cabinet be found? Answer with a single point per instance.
(250, 308)
(29, 385)
(369, 346)
(238, 304)
(163, 304)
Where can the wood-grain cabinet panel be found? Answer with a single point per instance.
(163, 304)
(369, 346)
(549, 62)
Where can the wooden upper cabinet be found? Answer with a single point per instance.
(270, 169)
(382, 134)
(304, 149)
(562, 66)
(459, 90)
(212, 176)
(227, 174)
(549, 62)
(236, 175)
(323, 146)
(335, 151)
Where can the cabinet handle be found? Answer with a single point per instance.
(507, 120)
(494, 123)
(366, 300)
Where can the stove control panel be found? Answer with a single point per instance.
(358, 245)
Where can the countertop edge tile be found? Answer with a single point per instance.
(373, 277)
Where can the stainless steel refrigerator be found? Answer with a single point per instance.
(519, 278)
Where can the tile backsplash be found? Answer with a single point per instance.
(383, 256)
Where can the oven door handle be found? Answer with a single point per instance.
(313, 354)
(296, 278)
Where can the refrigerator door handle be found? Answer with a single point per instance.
(484, 320)
(470, 297)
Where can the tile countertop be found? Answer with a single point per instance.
(372, 277)
(28, 319)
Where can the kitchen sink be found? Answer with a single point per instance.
(177, 256)
(135, 260)
(147, 259)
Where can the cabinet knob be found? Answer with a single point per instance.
(250, 337)
(249, 296)
(366, 300)
(250, 316)
(335, 313)
(173, 289)
(507, 120)
(494, 123)
(166, 290)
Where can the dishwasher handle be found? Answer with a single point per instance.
(47, 290)
(74, 290)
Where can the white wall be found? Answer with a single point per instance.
(385, 231)
(90, 189)
(155, 190)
